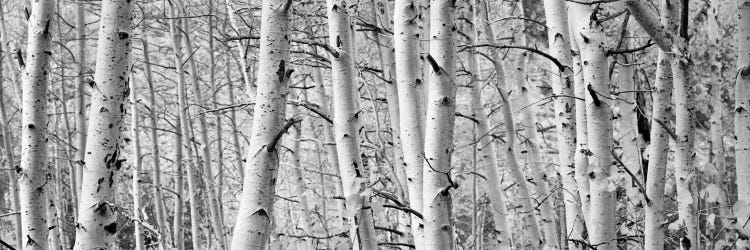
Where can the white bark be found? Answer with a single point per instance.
(346, 126)
(440, 118)
(591, 40)
(161, 213)
(581, 158)
(97, 219)
(486, 147)
(533, 156)
(409, 84)
(253, 223)
(562, 84)
(81, 100)
(136, 161)
(32, 174)
(742, 103)
(211, 191)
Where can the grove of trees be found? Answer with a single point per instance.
(380, 124)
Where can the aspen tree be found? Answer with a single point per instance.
(97, 226)
(742, 99)
(388, 64)
(346, 126)
(53, 238)
(533, 156)
(627, 128)
(531, 227)
(161, 213)
(486, 147)
(717, 155)
(300, 188)
(591, 40)
(81, 100)
(183, 126)
(562, 84)
(409, 84)
(581, 158)
(330, 145)
(5, 129)
(440, 118)
(253, 224)
(32, 173)
(742, 104)
(135, 124)
(213, 202)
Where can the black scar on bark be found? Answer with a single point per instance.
(123, 35)
(282, 71)
(111, 228)
(594, 95)
(433, 63)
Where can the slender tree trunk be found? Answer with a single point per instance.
(533, 156)
(581, 158)
(599, 125)
(346, 126)
(219, 135)
(8, 147)
(235, 131)
(562, 84)
(97, 225)
(409, 85)
(742, 103)
(330, 144)
(717, 156)
(486, 148)
(53, 224)
(178, 236)
(440, 118)
(136, 181)
(530, 226)
(81, 104)
(253, 224)
(300, 186)
(742, 93)
(161, 214)
(32, 174)
(629, 140)
(213, 201)
(685, 171)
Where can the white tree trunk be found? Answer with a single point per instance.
(742, 103)
(346, 126)
(533, 156)
(591, 40)
(136, 161)
(81, 100)
(8, 148)
(97, 225)
(253, 223)
(562, 84)
(409, 83)
(161, 213)
(32, 174)
(581, 158)
(486, 147)
(213, 202)
(440, 118)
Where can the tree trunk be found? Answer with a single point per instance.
(81, 104)
(32, 174)
(213, 201)
(97, 226)
(330, 144)
(346, 126)
(742, 106)
(8, 148)
(599, 113)
(486, 148)
(409, 85)
(253, 224)
(184, 127)
(533, 156)
(581, 158)
(440, 118)
(136, 181)
(161, 213)
(562, 84)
